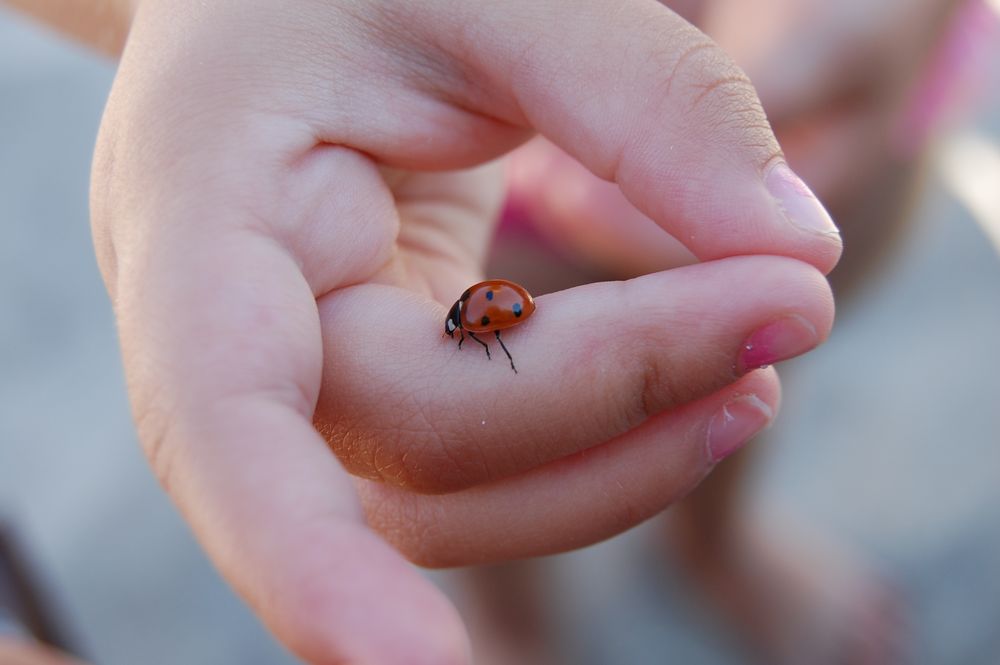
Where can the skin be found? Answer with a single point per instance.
(19, 652)
(286, 199)
(101, 24)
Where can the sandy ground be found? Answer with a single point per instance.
(888, 436)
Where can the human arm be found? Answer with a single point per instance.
(15, 651)
(100, 24)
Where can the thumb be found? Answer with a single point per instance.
(641, 98)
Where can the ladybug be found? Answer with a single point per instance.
(489, 306)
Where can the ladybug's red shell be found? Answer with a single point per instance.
(489, 306)
(495, 304)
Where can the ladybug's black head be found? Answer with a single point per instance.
(454, 320)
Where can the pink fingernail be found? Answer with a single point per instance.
(736, 424)
(779, 340)
(797, 202)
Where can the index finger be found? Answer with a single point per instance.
(632, 91)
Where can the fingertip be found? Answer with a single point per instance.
(799, 206)
(764, 384)
(742, 416)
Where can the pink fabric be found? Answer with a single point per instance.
(952, 81)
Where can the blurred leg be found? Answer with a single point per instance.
(791, 594)
(506, 608)
(19, 652)
(30, 630)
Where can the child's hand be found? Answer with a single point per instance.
(260, 157)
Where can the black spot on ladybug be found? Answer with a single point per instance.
(489, 295)
(485, 321)
(517, 309)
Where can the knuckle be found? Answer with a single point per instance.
(652, 393)
(679, 67)
(636, 394)
(629, 407)
(699, 65)
(704, 85)
(705, 111)
(727, 105)
(644, 375)
(653, 389)
(727, 93)
(662, 374)
(666, 378)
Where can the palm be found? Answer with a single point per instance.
(445, 224)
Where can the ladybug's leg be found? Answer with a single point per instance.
(461, 339)
(485, 346)
(507, 352)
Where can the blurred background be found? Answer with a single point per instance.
(889, 439)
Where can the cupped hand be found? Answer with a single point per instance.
(284, 205)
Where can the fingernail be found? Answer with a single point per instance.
(735, 424)
(800, 205)
(779, 340)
